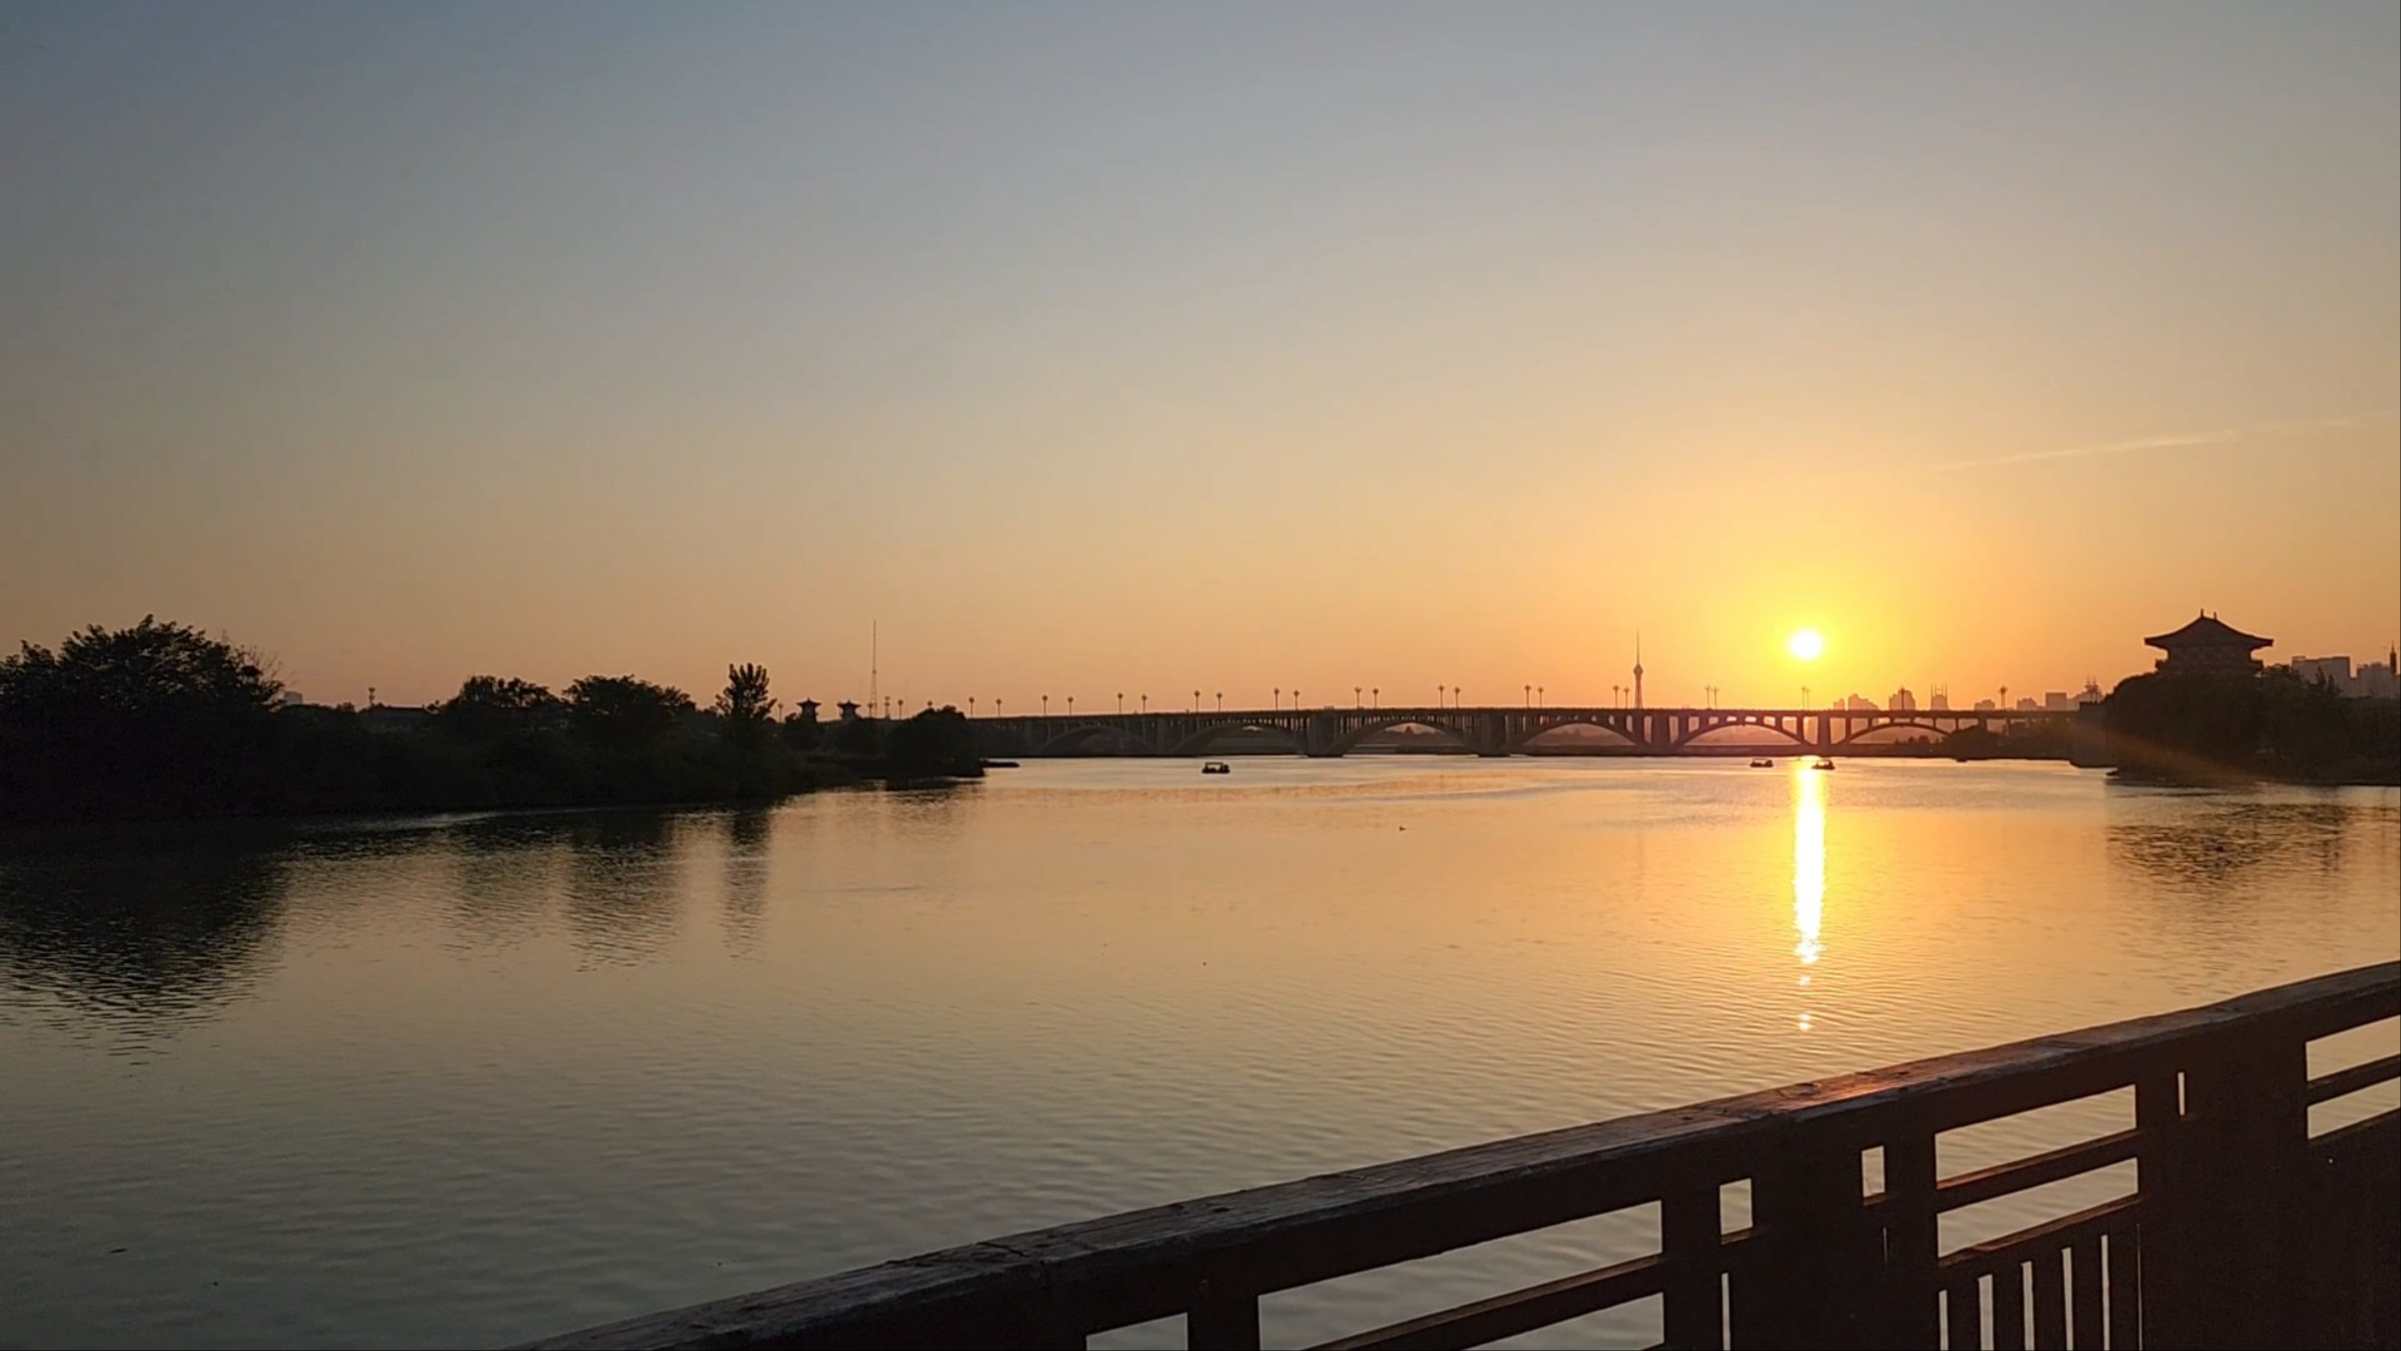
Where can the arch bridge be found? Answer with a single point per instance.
(1490, 731)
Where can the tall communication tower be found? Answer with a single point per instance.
(1638, 668)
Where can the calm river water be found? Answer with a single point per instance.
(443, 1081)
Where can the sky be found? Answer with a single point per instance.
(1098, 349)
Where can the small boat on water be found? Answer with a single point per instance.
(1763, 764)
(1216, 767)
(1823, 763)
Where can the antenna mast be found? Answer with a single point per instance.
(873, 634)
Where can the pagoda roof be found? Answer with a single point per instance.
(2207, 631)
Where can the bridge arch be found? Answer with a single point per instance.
(1349, 741)
(1208, 736)
(1082, 733)
(1737, 723)
(1907, 724)
(1605, 722)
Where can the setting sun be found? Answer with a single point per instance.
(1806, 645)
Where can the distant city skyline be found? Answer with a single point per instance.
(1244, 346)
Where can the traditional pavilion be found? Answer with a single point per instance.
(2208, 647)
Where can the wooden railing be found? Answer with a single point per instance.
(2242, 1229)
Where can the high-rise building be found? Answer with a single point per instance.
(1859, 703)
(1938, 699)
(2335, 671)
(2057, 701)
(1902, 701)
(1987, 706)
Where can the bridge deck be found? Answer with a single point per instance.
(1492, 730)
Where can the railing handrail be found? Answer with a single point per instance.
(1150, 1263)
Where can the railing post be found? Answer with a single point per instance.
(1912, 1301)
(2165, 1182)
(2218, 1263)
(1818, 1260)
(1689, 1238)
(1222, 1320)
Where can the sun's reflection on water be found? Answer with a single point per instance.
(1808, 871)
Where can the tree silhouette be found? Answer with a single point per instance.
(624, 712)
(489, 706)
(156, 719)
(745, 705)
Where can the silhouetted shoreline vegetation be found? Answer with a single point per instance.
(2274, 725)
(160, 720)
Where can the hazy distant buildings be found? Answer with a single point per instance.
(2206, 646)
(1859, 704)
(1939, 701)
(2373, 680)
(1902, 701)
(2335, 671)
(2057, 701)
(1987, 706)
(2378, 679)
(2029, 706)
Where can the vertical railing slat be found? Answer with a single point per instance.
(2125, 1288)
(1963, 1306)
(2050, 1304)
(2084, 1293)
(2009, 1308)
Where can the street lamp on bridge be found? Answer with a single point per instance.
(971, 705)
(1146, 704)
(1121, 703)
(1529, 696)
(1441, 699)
(1221, 700)
(1355, 697)
(1046, 705)
(1071, 705)
(1196, 701)
(1613, 689)
(1541, 698)
(1376, 693)
(1276, 697)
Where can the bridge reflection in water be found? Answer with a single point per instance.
(2249, 1224)
(1485, 731)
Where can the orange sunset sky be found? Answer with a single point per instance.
(1100, 349)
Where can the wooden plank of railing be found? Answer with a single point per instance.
(2052, 1236)
(1489, 1320)
(2357, 1077)
(2084, 1291)
(2036, 1170)
(1149, 1264)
